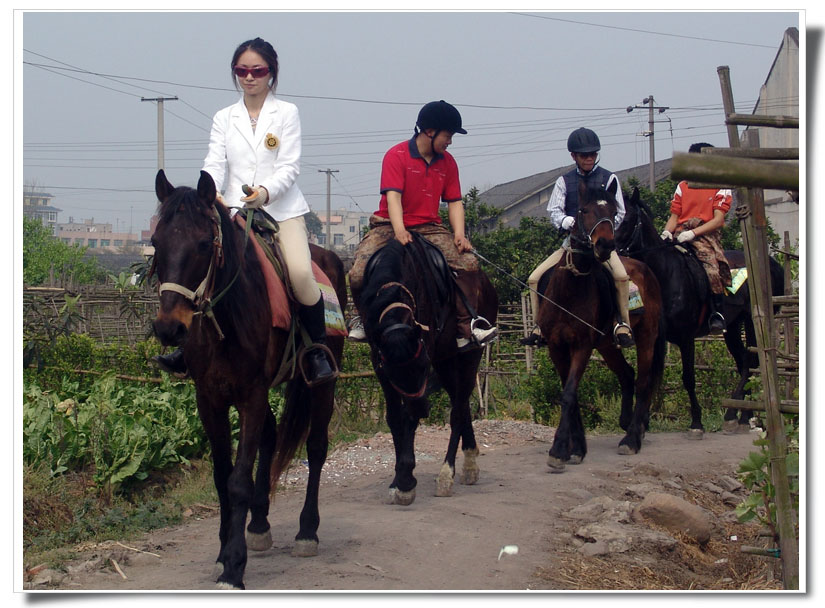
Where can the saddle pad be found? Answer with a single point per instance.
(634, 299)
(279, 303)
(738, 276)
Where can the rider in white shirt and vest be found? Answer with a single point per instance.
(583, 145)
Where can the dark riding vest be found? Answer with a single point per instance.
(597, 178)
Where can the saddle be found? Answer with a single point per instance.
(281, 299)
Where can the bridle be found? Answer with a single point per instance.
(396, 326)
(201, 298)
(584, 243)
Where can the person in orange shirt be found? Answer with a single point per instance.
(696, 217)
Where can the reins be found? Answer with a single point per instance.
(541, 295)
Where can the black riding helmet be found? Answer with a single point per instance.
(583, 140)
(441, 116)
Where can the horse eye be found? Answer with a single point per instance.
(205, 247)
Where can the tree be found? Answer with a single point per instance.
(314, 225)
(43, 253)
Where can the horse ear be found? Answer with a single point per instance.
(634, 197)
(613, 187)
(162, 186)
(206, 188)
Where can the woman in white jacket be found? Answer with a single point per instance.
(257, 142)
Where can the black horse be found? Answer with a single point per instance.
(686, 294)
(408, 305)
(233, 354)
(576, 316)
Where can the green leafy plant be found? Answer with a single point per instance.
(755, 473)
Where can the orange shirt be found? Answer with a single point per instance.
(690, 202)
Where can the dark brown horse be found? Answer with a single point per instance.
(686, 305)
(408, 308)
(233, 354)
(577, 315)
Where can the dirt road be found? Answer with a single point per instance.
(455, 543)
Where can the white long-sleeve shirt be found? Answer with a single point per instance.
(555, 206)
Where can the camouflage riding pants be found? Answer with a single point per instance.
(464, 265)
(708, 248)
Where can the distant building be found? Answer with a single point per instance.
(95, 236)
(779, 96)
(346, 228)
(38, 205)
(528, 196)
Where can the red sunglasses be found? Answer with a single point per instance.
(256, 72)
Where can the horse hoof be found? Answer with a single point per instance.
(305, 548)
(626, 450)
(556, 464)
(258, 542)
(470, 470)
(575, 459)
(398, 497)
(224, 586)
(696, 434)
(729, 427)
(444, 481)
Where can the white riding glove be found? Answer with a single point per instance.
(567, 222)
(666, 235)
(255, 197)
(686, 236)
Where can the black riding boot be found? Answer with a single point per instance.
(319, 368)
(172, 363)
(716, 323)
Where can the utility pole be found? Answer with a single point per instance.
(329, 173)
(160, 101)
(648, 101)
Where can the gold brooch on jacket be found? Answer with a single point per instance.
(271, 141)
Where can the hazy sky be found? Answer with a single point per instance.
(522, 82)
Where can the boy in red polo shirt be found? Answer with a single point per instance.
(416, 176)
(696, 217)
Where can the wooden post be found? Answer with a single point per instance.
(751, 214)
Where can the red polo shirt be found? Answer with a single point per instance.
(422, 186)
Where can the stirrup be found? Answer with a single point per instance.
(623, 340)
(482, 335)
(310, 382)
(717, 316)
(535, 338)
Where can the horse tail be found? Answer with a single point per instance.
(293, 427)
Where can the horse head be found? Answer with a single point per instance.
(637, 231)
(188, 252)
(593, 229)
(391, 325)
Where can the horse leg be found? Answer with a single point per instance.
(744, 361)
(568, 443)
(632, 419)
(215, 419)
(240, 487)
(688, 351)
(258, 533)
(317, 445)
(402, 426)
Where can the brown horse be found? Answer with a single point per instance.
(577, 314)
(233, 354)
(408, 306)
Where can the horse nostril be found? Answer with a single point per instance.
(169, 332)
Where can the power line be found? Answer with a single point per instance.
(640, 31)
